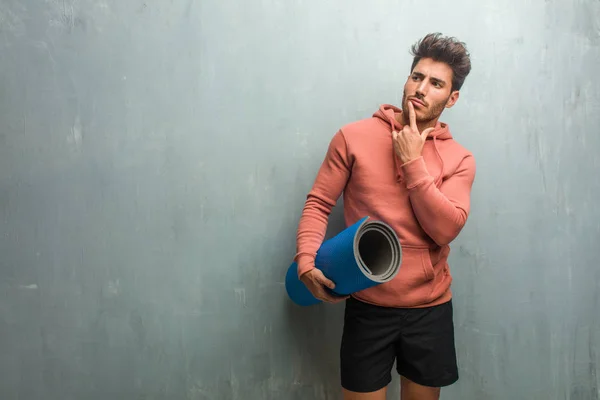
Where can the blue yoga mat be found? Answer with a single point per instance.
(363, 255)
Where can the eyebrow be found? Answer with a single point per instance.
(420, 75)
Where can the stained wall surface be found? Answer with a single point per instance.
(154, 161)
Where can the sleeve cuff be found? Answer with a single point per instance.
(306, 263)
(415, 172)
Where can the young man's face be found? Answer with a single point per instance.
(429, 87)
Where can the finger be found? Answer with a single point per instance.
(426, 133)
(411, 115)
(322, 295)
(333, 299)
(400, 133)
(324, 281)
(339, 299)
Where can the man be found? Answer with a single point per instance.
(403, 167)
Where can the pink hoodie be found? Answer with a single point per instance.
(426, 201)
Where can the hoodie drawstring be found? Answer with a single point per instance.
(398, 169)
(438, 180)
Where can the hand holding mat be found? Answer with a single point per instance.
(363, 255)
(320, 286)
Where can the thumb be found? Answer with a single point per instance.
(323, 280)
(426, 132)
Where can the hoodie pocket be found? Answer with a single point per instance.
(417, 267)
(412, 286)
(427, 264)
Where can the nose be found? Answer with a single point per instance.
(422, 88)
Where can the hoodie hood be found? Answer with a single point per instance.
(390, 116)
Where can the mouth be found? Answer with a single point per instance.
(417, 102)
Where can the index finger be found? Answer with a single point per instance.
(412, 116)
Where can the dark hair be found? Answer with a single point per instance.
(447, 50)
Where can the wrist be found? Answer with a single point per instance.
(415, 172)
(305, 264)
(408, 160)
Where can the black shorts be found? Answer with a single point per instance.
(420, 340)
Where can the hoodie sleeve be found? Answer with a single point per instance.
(330, 181)
(441, 212)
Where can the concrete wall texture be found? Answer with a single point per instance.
(155, 157)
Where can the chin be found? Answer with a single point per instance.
(420, 114)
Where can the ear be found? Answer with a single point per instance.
(452, 99)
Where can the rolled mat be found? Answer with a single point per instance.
(363, 255)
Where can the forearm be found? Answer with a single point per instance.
(327, 188)
(438, 217)
(311, 230)
(441, 212)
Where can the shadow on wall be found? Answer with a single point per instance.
(314, 335)
(298, 346)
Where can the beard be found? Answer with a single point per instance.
(427, 115)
